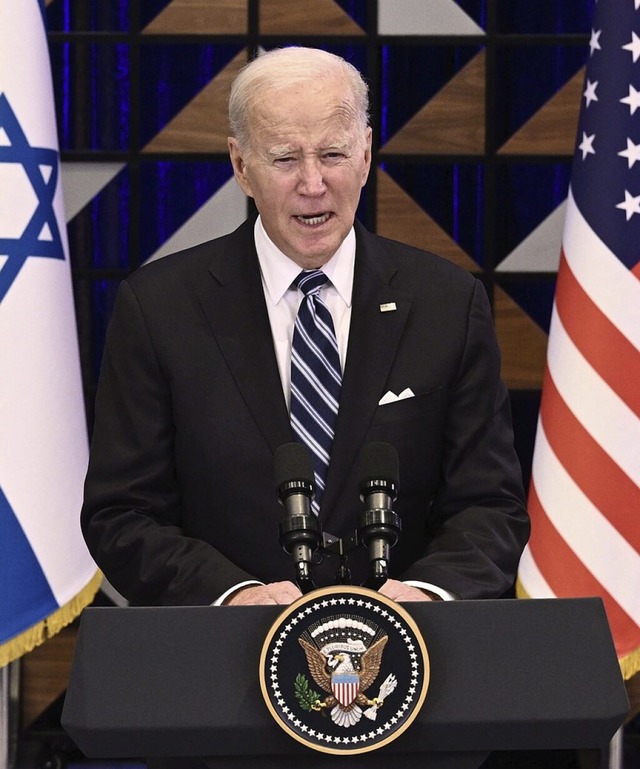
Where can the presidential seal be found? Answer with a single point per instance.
(344, 670)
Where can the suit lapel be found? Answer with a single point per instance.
(233, 301)
(374, 336)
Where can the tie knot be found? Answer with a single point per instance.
(310, 281)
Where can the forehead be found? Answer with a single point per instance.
(314, 111)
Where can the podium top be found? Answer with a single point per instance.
(505, 675)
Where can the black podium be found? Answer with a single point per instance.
(184, 681)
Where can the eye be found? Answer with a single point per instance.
(333, 157)
(284, 161)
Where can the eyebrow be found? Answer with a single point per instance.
(282, 150)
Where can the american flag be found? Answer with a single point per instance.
(584, 497)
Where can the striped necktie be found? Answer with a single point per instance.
(315, 376)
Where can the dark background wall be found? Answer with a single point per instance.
(474, 110)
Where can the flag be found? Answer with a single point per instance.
(46, 573)
(584, 497)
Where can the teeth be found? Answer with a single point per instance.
(312, 220)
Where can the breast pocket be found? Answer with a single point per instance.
(415, 427)
(408, 408)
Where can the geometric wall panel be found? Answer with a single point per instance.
(202, 125)
(81, 182)
(452, 121)
(222, 213)
(540, 250)
(523, 343)
(194, 17)
(401, 218)
(552, 130)
(424, 17)
(320, 17)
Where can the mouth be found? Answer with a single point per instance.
(313, 220)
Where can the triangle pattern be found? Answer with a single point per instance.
(195, 17)
(452, 122)
(283, 17)
(522, 342)
(401, 218)
(222, 213)
(540, 250)
(202, 125)
(81, 182)
(552, 130)
(424, 17)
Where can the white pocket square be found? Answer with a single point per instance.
(391, 397)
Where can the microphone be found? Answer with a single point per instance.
(299, 531)
(380, 527)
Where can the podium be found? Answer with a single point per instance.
(184, 682)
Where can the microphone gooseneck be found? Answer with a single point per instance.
(299, 531)
(379, 527)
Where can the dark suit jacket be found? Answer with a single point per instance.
(180, 500)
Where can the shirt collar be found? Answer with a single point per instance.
(279, 272)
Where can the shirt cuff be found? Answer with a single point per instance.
(439, 591)
(235, 589)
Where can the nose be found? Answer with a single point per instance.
(311, 181)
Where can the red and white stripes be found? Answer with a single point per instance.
(585, 492)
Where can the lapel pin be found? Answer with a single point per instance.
(388, 307)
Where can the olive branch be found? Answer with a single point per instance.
(304, 694)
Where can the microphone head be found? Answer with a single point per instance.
(379, 468)
(293, 470)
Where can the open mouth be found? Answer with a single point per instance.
(313, 220)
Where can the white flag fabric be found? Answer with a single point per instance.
(46, 573)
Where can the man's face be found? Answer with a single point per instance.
(306, 164)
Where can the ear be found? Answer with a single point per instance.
(239, 166)
(367, 155)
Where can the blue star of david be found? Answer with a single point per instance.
(33, 160)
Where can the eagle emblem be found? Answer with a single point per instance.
(344, 654)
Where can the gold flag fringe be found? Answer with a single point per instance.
(629, 663)
(37, 634)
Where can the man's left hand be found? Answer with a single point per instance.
(399, 591)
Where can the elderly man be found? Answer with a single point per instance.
(203, 378)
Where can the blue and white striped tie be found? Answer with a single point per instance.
(315, 376)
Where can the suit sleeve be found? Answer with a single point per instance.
(477, 524)
(132, 506)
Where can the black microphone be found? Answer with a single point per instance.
(300, 531)
(380, 527)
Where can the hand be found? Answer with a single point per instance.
(259, 595)
(399, 591)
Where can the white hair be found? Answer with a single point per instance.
(282, 68)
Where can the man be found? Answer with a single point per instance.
(195, 391)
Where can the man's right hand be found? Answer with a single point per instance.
(259, 595)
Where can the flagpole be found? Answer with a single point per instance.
(9, 687)
(615, 750)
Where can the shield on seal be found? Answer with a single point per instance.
(345, 687)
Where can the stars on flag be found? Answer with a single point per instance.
(630, 205)
(590, 92)
(633, 99)
(605, 179)
(586, 145)
(633, 47)
(632, 153)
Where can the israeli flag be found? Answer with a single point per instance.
(46, 573)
